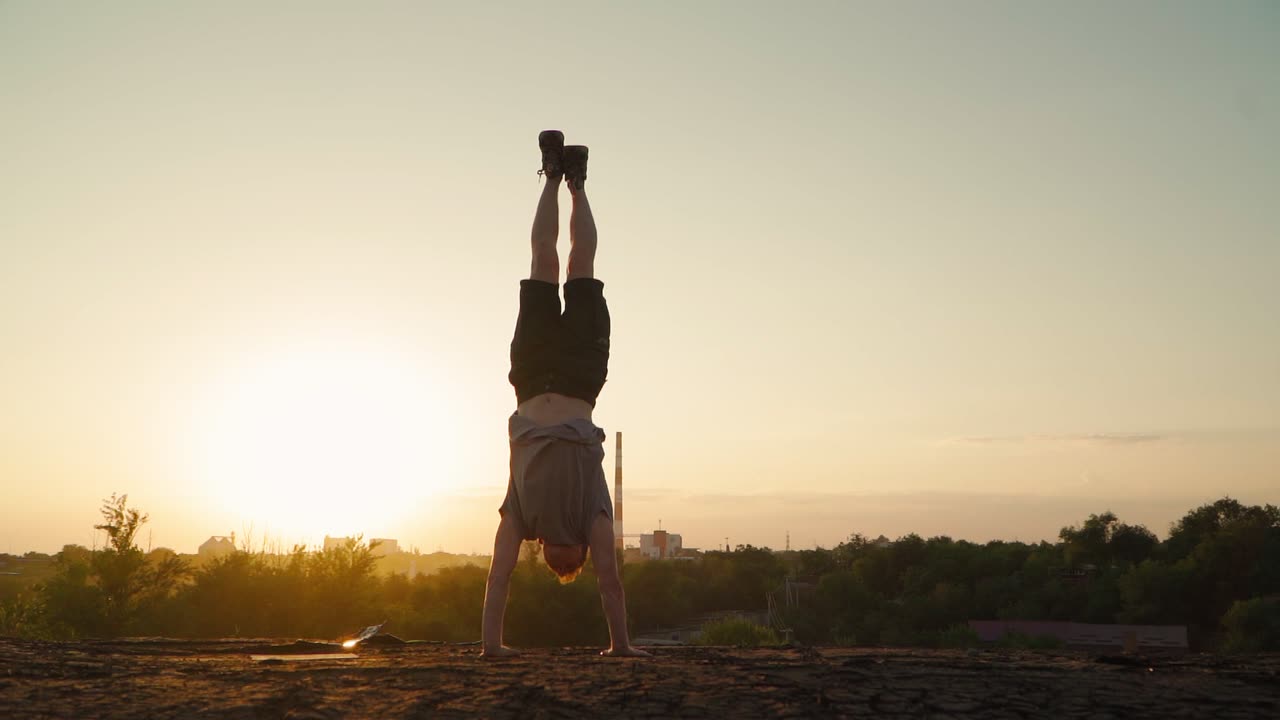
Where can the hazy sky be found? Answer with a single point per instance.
(975, 269)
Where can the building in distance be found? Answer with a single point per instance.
(659, 545)
(218, 545)
(381, 547)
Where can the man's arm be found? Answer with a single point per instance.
(506, 550)
(611, 594)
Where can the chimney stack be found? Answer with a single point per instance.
(617, 495)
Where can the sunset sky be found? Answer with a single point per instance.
(974, 269)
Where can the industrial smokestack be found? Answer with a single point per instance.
(617, 494)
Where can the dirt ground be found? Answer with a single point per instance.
(219, 679)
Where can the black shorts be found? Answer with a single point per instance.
(562, 353)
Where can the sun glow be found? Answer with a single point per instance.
(308, 442)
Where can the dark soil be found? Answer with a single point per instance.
(218, 679)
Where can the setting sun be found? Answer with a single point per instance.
(305, 442)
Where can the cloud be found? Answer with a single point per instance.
(1105, 438)
(1198, 436)
(1096, 438)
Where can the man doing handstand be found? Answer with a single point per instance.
(557, 493)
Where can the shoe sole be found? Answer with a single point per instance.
(575, 155)
(551, 142)
(550, 139)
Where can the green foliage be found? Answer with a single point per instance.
(445, 606)
(1021, 641)
(320, 594)
(113, 591)
(847, 608)
(543, 612)
(23, 615)
(959, 635)
(1220, 569)
(1103, 540)
(1207, 521)
(659, 594)
(737, 632)
(1157, 593)
(73, 605)
(1252, 625)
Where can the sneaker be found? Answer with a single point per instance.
(552, 144)
(575, 164)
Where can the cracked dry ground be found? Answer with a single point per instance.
(217, 679)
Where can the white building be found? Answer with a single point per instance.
(659, 545)
(335, 542)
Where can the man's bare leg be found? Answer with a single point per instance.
(582, 236)
(546, 231)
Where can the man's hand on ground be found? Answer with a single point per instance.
(629, 651)
(499, 652)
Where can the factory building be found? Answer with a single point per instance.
(659, 545)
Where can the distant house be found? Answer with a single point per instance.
(1090, 636)
(218, 545)
(335, 542)
(385, 546)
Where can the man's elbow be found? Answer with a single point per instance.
(497, 578)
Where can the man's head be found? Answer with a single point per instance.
(564, 560)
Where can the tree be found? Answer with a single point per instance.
(73, 605)
(1131, 544)
(1207, 520)
(1087, 544)
(658, 594)
(102, 592)
(121, 569)
(1103, 540)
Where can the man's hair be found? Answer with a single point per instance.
(562, 563)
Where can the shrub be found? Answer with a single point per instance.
(23, 616)
(959, 635)
(737, 632)
(1022, 641)
(1252, 625)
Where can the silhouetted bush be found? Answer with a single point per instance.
(959, 635)
(737, 632)
(1022, 641)
(1219, 569)
(1253, 625)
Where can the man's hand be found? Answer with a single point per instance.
(612, 595)
(500, 651)
(628, 651)
(506, 550)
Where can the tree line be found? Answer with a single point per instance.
(1217, 572)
